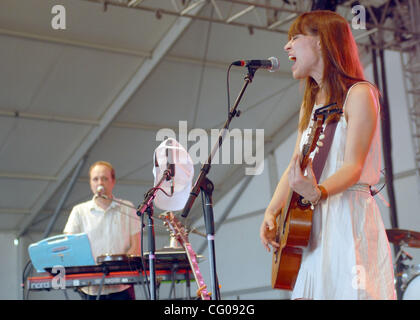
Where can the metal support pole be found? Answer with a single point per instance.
(380, 80)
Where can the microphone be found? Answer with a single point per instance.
(271, 64)
(170, 165)
(99, 192)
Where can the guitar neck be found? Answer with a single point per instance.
(289, 199)
(192, 257)
(182, 237)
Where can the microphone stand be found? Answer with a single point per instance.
(147, 206)
(206, 186)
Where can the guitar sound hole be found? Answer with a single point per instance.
(303, 202)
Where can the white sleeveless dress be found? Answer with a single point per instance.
(348, 256)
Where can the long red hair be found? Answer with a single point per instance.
(342, 67)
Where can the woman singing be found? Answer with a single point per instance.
(348, 256)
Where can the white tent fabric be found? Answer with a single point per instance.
(105, 85)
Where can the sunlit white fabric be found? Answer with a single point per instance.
(348, 256)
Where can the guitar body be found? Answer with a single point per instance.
(293, 232)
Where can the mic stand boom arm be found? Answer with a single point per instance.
(206, 186)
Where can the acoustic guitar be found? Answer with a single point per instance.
(294, 221)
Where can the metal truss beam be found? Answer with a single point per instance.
(410, 62)
(269, 17)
